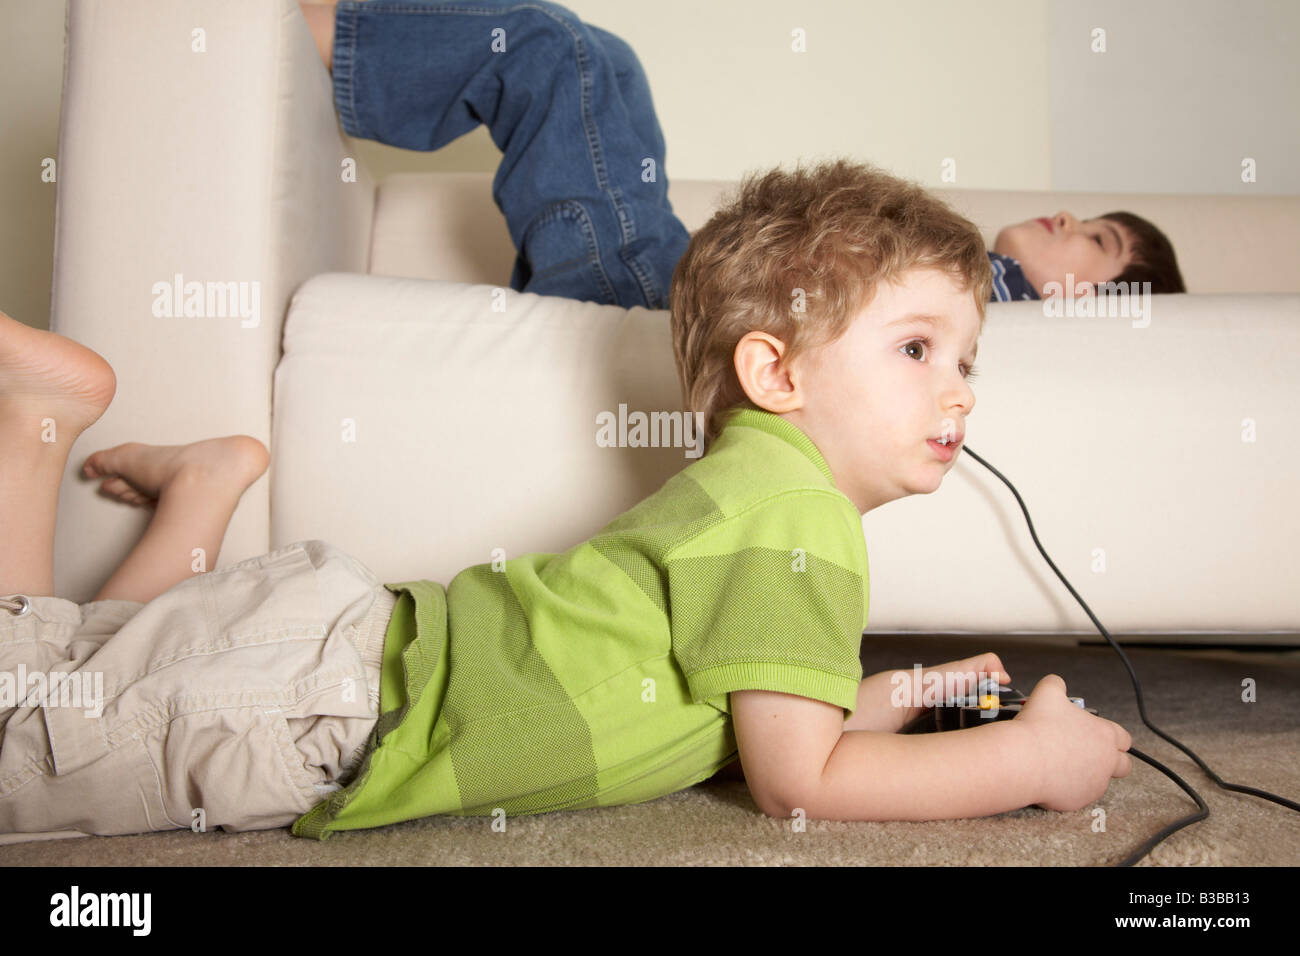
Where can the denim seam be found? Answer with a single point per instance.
(344, 66)
(626, 225)
(574, 211)
(644, 276)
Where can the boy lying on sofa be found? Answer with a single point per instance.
(574, 173)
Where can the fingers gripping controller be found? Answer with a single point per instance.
(990, 702)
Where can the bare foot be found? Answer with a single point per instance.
(139, 474)
(44, 375)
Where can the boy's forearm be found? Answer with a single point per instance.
(876, 710)
(975, 772)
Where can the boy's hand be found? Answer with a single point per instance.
(956, 673)
(959, 676)
(1077, 752)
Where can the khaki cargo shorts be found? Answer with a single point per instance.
(239, 698)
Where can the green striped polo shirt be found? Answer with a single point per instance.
(600, 676)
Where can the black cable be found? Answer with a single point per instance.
(1137, 687)
(1186, 821)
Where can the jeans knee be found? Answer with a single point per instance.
(562, 253)
(571, 36)
(561, 20)
(620, 53)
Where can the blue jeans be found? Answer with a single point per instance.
(581, 181)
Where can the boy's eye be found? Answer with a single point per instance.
(967, 373)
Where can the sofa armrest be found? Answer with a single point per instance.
(200, 182)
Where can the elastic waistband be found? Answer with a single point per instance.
(370, 633)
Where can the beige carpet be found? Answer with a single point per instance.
(1192, 695)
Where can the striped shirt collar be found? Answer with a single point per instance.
(774, 424)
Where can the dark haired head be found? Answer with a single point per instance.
(1118, 246)
(1153, 257)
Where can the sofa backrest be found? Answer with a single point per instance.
(446, 226)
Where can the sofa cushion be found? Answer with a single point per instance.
(419, 428)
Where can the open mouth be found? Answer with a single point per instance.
(945, 452)
(1047, 224)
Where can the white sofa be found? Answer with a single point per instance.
(419, 429)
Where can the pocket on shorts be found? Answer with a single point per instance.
(263, 599)
(249, 635)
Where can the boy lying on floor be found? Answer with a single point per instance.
(824, 325)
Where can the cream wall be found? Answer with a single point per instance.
(1008, 90)
(31, 83)
(1184, 92)
(905, 85)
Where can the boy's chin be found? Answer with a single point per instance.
(1005, 243)
(1016, 241)
(929, 485)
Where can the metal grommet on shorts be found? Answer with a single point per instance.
(16, 604)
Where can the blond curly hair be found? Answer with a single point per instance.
(825, 236)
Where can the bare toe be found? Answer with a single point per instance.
(106, 461)
(120, 489)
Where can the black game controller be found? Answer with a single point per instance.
(992, 702)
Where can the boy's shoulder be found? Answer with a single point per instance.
(760, 456)
(762, 483)
(768, 587)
